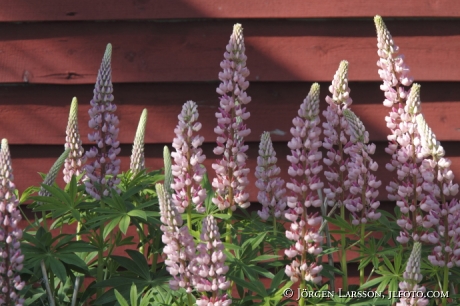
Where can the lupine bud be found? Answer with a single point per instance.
(168, 170)
(75, 160)
(10, 234)
(304, 184)
(412, 277)
(272, 192)
(231, 174)
(188, 159)
(104, 122)
(137, 156)
(336, 136)
(209, 266)
(179, 245)
(53, 172)
(363, 184)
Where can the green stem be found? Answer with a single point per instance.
(361, 253)
(301, 289)
(78, 231)
(190, 300)
(445, 285)
(228, 224)
(100, 259)
(189, 217)
(343, 255)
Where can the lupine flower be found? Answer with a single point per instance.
(73, 163)
(304, 184)
(404, 147)
(209, 266)
(394, 72)
(272, 192)
(188, 159)
(363, 184)
(412, 277)
(443, 215)
(53, 172)
(104, 122)
(179, 245)
(10, 234)
(335, 136)
(137, 156)
(404, 140)
(231, 174)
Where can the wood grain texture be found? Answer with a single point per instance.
(277, 50)
(30, 10)
(28, 160)
(38, 114)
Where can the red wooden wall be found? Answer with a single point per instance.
(168, 52)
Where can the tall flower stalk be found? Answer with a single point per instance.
(336, 140)
(272, 194)
(188, 159)
(104, 123)
(10, 234)
(305, 182)
(179, 245)
(404, 141)
(412, 276)
(209, 266)
(102, 172)
(443, 215)
(137, 155)
(73, 164)
(361, 202)
(231, 172)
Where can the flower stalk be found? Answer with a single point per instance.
(11, 262)
(305, 182)
(231, 172)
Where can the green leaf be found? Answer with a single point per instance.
(57, 268)
(124, 224)
(138, 213)
(133, 295)
(120, 298)
(257, 287)
(77, 246)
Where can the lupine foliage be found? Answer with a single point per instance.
(412, 252)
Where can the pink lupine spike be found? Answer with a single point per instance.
(304, 184)
(336, 137)
(76, 158)
(272, 192)
(361, 202)
(104, 123)
(188, 159)
(231, 172)
(412, 276)
(209, 266)
(179, 245)
(405, 147)
(442, 215)
(10, 234)
(404, 141)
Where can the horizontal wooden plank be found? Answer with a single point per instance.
(37, 114)
(28, 160)
(277, 50)
(162, 9)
